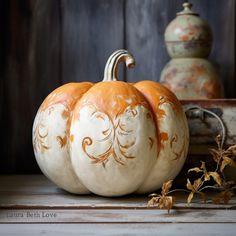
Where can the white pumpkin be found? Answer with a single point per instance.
(111, 138)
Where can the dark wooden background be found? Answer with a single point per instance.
(44, 44)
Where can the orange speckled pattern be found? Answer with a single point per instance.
(112, 97)
(184, 37)
(164, 136)
(71, 138)
(67, 94)
(192, 78)
(211, 89)
(156, 94)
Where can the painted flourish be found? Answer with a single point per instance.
(111, 138)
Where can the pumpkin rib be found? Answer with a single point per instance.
(64, 98)
(67, 94)
(158, 96)
(113, 99)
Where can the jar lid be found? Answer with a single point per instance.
(187, 10)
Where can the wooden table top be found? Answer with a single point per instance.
(35, 200)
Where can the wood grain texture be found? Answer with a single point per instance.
(36, 191)
(45, 44)
(92, 215)
(91, 31)
(31, 72)
(177, 229)
(221, 18)
(145, 26)
(117, 216)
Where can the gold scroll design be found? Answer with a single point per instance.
(40, 133)
(174, 139)
(39, 141)
(181, 152)
(111, 133)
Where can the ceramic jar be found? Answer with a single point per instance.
(189, 74)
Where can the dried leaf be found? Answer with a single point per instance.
(232, 148)
(189, 185)
(223, 196)
(193, 187)
(162, 201)
(166, 202)
(203, 166)
(207, 176)
(166, 187)
(196, 169)
(223, 165)
(154, 201)
(216, 155)
(229, 161)
(222, 157)
(190, 197)
(197, 184)
(216, 177)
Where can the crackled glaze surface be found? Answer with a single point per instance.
(188, 35)
(111, 138)
(192, 78)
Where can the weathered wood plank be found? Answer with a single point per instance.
(27, 184)
(46, 43)
(27, 192)
(117, 216)
(223, 50)
(24, 191)
(145, 25)
(146, 22)
(67, 201)
(32, 70)
(204, 127)
(91, 31)
(146, 229)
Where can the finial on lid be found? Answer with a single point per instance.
(187, 9)
(187, 6)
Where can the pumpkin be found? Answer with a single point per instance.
(111, 138)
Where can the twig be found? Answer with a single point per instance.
(209, 186)
(178, 190)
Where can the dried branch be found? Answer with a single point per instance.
(222, 157)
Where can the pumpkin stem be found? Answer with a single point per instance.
(111, 68)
